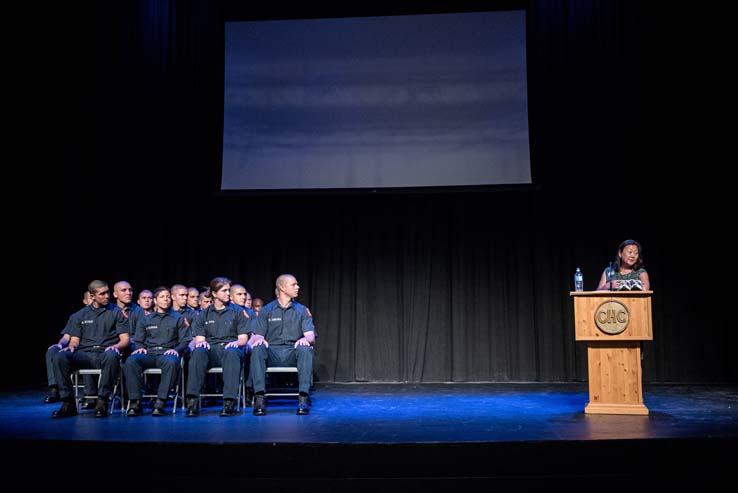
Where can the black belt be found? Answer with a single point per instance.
(158, 347)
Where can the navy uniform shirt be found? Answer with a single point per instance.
(99, 327)
(72, 320)
(251, 314)
(283, 326)
(134, 314)
(221, 326)
(188, 313)
(189, 317)
(157, 332)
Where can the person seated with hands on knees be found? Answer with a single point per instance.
(221, 335)
(284, 335)
(162, 338)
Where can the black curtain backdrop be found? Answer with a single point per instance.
(416, 287)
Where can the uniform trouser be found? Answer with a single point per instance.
(202, 359)
(302, 357)
(136, 364)
(247, 369)
(65, 362)
(90, 380)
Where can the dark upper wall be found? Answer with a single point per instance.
(611, 114)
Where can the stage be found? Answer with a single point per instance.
(495, 436)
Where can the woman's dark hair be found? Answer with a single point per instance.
(624, 244)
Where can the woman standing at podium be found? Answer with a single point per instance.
(628, 266)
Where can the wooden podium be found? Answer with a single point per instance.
(614, 323)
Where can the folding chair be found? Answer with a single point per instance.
(179, 389)
(96, 371)
(280, 391)
(241, 401)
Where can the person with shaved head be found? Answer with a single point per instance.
(146, 301)
(284, 335)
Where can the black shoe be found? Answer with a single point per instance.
(228, 408)
(259, 405)
(303, 406)
(159, 408)
(134, 408)
(193, 407)
(101, 408)
(68, 408)
(249, 397)
(52, 396)
(86, 404)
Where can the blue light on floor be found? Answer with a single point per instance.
(398, 413)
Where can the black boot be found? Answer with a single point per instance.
(52, 396)
(259, 405)
(303, 406)
(193, 407)
(159, 408)
(68, 408)
(101, 407)
(134, 408)
(228, 408)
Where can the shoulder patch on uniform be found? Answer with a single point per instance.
(245, 314)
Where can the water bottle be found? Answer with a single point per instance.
(578, 280)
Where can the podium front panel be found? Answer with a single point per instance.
(613, 315)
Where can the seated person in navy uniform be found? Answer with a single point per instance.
(241, 300)
(90, 382)
(146, 301)
(97, 336)
(221, 335)
(204, 300)
(179, 303)
(161, 340)
(193, 298)
(284, 335)
(258, 304)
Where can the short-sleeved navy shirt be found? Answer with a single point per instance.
(220, 326)
(249, 311)
(187, 313)
(99, 327)
(283, 326)
(71, 321)
(161, 331)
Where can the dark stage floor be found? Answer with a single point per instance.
(370, 436)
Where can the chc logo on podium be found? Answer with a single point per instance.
(612, 317)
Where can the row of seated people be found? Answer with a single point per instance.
(186, 301)
(221, 335)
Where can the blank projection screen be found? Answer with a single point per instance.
(433, 100)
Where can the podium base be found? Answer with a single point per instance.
(638, 409)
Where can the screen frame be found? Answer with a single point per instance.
(235, 11)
